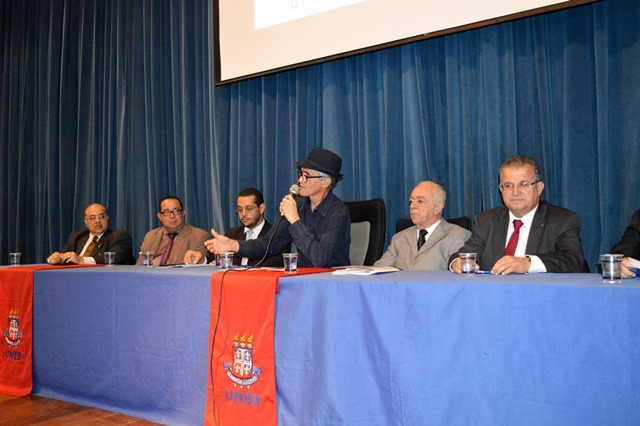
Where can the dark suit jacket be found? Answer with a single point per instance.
(116, 240)
(237, 233)
(629, 244)
(554, 237)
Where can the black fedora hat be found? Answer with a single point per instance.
(324, 161)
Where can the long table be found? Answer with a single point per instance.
(124, 338)
(400, 348)
(437, 348)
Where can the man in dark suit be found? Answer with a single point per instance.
(89, 246)
(250, 208)
(547, 237)
(629, 245)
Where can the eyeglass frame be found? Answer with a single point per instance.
(305, 178)
(248, 209)
(176, 211)
(93, 217)
(522, 185)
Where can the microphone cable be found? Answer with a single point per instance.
(293, 190)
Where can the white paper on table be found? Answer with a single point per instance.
(635, 265)
(365, 270)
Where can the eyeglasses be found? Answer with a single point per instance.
(248, 209)
(167, 212)
(524, 185)
(305, 177)
(95, 216)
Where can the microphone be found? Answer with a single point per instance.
(293, 191)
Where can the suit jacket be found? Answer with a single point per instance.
(237, 233)
(554, 237)
(188, 238)
(629, 244)
(403, 251)
(118, 241)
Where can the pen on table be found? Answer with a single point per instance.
(483, 272)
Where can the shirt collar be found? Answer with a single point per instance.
(324, 206)
(431, 228)
(256, 231)
(527, 219)
(180, 230)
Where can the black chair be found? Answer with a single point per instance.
(463, 221)
(368, 230)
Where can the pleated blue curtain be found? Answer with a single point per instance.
(114, 102)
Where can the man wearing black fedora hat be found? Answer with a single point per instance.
(317, 222)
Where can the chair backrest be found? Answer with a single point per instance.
(368, 230)
(463, 221)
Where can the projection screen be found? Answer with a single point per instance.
(255, 37)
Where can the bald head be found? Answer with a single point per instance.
(426, 204)
(96, 218)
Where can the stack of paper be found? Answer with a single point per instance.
(365, 270)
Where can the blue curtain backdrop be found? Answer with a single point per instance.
(114, 102)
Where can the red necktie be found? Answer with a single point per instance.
(421, 238)
(510, 250)
(167, 251)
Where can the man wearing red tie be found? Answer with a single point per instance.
(526, 235)
(89, 246)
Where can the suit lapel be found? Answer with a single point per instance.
(411, 240)
(437, 235)
(81, 241)
(502, 227)
(265, 229)
(537, 226)
(101, 242)
(179, 242)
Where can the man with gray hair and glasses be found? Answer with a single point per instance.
(317, 221)
(526, 235)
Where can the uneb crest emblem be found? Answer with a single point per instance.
(242, 372)
(14, 334)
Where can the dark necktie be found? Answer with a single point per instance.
(421, 238)
(248, 236)
(510, 250)
(167, 252)
(90, 247)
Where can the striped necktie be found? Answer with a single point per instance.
(167, 252)
(422, 238)
(90, 247)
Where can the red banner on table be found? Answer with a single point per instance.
(16, 316)
(242, 365)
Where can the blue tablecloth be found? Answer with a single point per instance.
(419, 348)
(126, 339)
